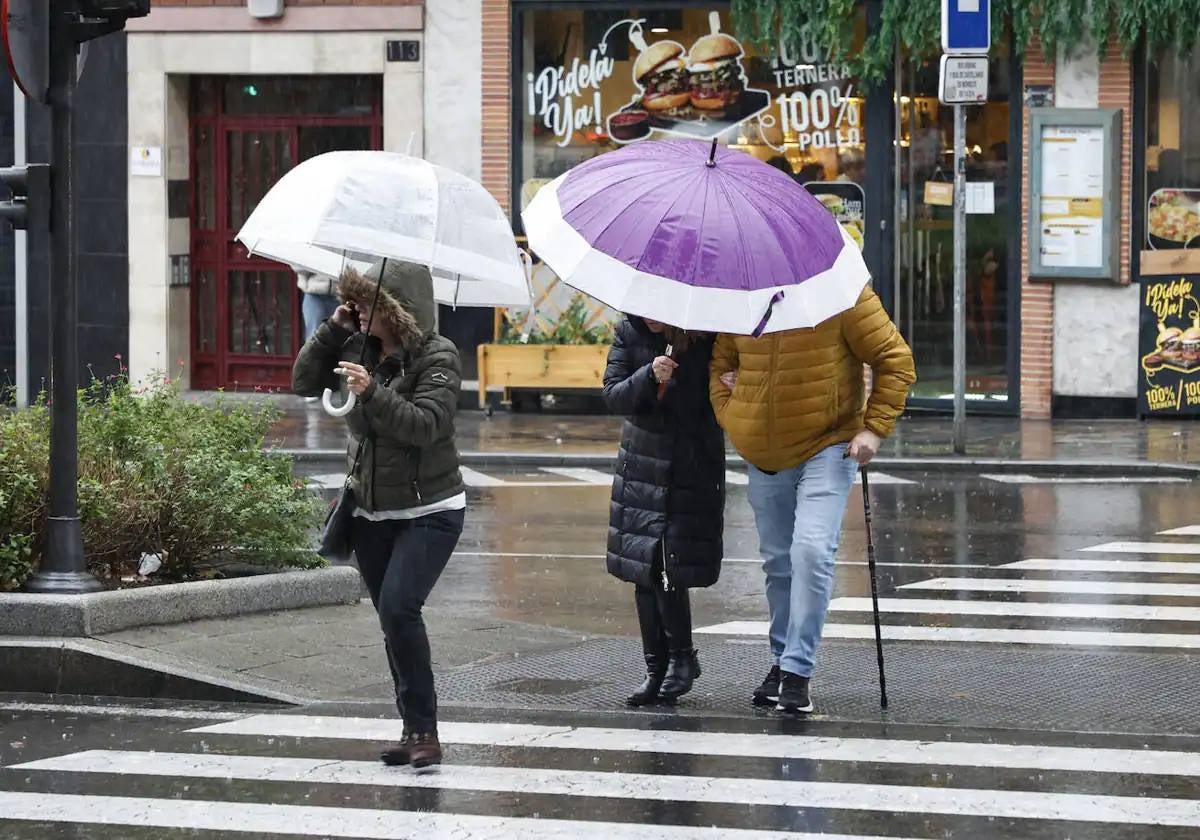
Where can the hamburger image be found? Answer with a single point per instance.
(715, 74)
(1191, 347)
(662, 75)
(1170, 344)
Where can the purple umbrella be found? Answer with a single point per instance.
(705, 239)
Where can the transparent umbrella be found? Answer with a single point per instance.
(361, 207)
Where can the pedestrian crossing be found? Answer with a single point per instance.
(568, 779)
(1091, 601)
(544, 477)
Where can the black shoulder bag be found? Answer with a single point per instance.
(335, 539)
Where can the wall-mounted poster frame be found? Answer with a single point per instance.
(1074, 191)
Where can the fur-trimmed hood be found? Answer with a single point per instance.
(406, 304)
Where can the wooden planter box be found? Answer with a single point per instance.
(545, 366)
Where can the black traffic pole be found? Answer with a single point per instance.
(64, 566)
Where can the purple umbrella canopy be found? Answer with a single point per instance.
(700, 237)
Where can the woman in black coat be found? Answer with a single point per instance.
(668, 501)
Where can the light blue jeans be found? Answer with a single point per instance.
(799, 517)
(316, 309)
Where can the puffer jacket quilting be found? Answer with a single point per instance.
(801, 391)
(668, 496)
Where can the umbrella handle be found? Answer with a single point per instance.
(334, 410)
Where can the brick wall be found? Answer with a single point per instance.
(497, 99)
(1116, 91)
(1037, 299)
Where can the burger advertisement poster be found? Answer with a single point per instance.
(1169, 338)
(591, 89)
(698, 91)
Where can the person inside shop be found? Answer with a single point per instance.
(853, 165)
(404, 467)
(668, 497)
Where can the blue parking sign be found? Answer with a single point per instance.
(966, 26)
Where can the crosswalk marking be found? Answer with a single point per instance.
(585, 475)
(474, 478)
(642, 786)
(907, 633)
(1057, 609)
(1072, 587)
(729, 744)
(1185, 531)
(1028, 478)
(1154, 567)
(1146, 548)
(732, 477)
(323, 821)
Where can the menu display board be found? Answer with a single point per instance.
(1074, 188)
(1169, 345)
(1072, 202)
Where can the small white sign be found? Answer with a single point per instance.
(145, 161)
(963, 80)
(981, 197)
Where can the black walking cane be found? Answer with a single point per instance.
(866, 493)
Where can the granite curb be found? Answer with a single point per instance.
(92, 614)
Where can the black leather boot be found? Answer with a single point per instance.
(654, 647)
(683, 666)
(647, 693)
(682, 670)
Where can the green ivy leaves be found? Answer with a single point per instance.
(915, 25)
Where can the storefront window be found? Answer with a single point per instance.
(1173, 151)
(594, 80)
(924, 303)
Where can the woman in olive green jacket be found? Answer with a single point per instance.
(406, 480)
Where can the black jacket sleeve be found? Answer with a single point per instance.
(628, 390)
(313, 371)
(427, 414)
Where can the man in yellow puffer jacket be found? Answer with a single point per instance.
(794, 406)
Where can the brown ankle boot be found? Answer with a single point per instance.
(425, 750)
(400, 754)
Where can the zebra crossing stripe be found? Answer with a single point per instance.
(1071, 587)
(729, 744)
(474, 478)
(322, 821)
(1027, 478)
(742, 479)
(642, 786)
(1154, 567)
(989, 635)
(587, 475)
(1185, 531)
(939, 606)
(1145, 548)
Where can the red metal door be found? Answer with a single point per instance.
(246, 326)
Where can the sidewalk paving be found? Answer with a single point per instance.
(309, 432)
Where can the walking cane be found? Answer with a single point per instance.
(866, 493)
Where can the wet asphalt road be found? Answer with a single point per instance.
(533, 548)
(1023, 592)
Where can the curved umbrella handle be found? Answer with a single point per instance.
(335, 410)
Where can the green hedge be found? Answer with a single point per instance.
(157, 474)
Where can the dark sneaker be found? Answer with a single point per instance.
(767, 694)
(793, 693)
(400, 754)
(426, 752)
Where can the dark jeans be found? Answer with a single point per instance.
(400, 561)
